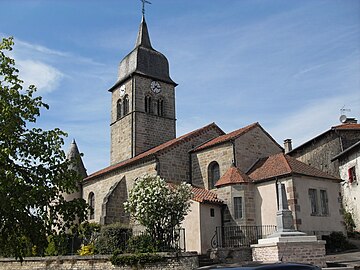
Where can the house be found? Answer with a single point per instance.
(233, 175)
(349, 168)
(336, 151)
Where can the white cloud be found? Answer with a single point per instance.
(45, 77)
(314, 119)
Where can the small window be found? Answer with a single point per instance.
(213, 174)
(313, 201)
(212, 212)
(238, 211)
(91, 202)
(352, 174)
(324, 203)
(126, 105)
(160, 107)
(118, 109)
(148, 104)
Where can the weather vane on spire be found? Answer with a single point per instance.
(143, 5)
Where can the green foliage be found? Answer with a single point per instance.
(142, 243)
(159, 207)
(33, 168)
(88, 232)
(349, 222)
(336, 242)
(135, 259)
(59, 244)
(111, 238)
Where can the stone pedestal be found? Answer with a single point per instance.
(301, 249)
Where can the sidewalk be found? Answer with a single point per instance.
(351, 258)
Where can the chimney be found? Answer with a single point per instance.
(287, 145)
(350, 121)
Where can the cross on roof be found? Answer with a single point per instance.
(143, 5)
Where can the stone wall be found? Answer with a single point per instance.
(301, 252)
(246, 192)
(139, 131)
(319, 154)
(351, 191)
(231, 255)
(251, 146)
(184, 261)
(222, 154)
(101, 185)
(175, 163)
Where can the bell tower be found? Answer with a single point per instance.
(143, 101)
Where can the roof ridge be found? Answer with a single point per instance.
(284, 156)
(228, 136)
(155, 150)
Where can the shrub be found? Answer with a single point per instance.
(112, 237)
(135, 259)
(142, 243)
(349, 222)
(336, 242)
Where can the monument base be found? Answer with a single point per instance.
(301, 249)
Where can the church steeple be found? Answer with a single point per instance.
(143, 38)
(143, 100)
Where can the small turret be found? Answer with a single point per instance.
(78, 166)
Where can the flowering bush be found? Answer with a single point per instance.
(159, 206)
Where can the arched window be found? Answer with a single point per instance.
(126, 105)
(213, 174)
(148, 104)
(118, 110)
(160, 107)
(91, 202)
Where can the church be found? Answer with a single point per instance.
(233, 175)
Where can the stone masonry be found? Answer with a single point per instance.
(301, 252)
(184, 261)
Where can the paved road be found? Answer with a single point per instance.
(351, 258)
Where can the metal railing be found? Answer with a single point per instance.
(240, 236)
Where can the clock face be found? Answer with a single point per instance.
(122, 90)
(155, 87)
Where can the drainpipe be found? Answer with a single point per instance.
(190, 165)
(234, 153)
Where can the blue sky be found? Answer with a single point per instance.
(289, 65)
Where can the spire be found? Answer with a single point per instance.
(143, 38)
(74, 154)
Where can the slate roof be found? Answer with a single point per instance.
(205, 196)
(233, 176)
(150, 154)
(282, 165)
(74, 154)
(143, 60)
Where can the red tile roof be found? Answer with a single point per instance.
(157, 150)
(233, 176)
(347, 126)
(281, 165)
(205, 196)
(227, 137)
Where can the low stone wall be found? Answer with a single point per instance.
(231, 255)
(174, 261)
(301, 252)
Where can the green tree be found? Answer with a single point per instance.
(33, 168)
(159, 206)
